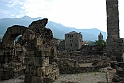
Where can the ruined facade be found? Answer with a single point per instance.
(37, 47)
(115, 44)
(56, 42)
(11, 54)
(61, 46)
(73, 41)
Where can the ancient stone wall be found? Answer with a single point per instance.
(11, 33)
(112, 18)
(115, 44)
(39, 52)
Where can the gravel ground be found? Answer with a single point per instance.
(16, 80)
(90, 77)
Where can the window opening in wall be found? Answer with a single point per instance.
(68, 35)
(71, 40)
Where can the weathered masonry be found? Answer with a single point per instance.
(73, 41)
(33, 51)
(115, 44)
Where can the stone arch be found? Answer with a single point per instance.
(34, 38)
(11, 33)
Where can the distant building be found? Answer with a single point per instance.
(84, 43)
(73, 41)
(56, 42)
(100, 36)
(61, 46)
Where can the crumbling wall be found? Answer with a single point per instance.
(39, 51)
(115, 44)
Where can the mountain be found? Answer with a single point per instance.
(58, 30)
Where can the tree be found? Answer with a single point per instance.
(100, 42)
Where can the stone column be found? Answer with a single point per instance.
(123, 57)
(112, 27)
(112, 18)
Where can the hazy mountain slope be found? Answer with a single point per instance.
(58, 30)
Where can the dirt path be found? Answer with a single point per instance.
(91, 77)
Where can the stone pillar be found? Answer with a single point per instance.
(38, 51)
(112, 18)
(113, 49)
(34, 71)
(123, 57)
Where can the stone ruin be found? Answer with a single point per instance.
(33, 54)
(115, 44)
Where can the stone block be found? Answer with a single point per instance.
(38, 53)
(38, 41)
(1, 53)
(47, 80)
(36, 79)
(39, 72)
(38, 61)
(46, 52)
(30, 53)
(48, 69)
(34, 72)
(28, 78)
(31, 61)
(120, 71)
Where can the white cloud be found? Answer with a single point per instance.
(5, 12)
(74, 13)
(12, 3)
(11, 8)
(36, 8)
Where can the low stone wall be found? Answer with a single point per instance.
(85, 69)
(67, 69)
(7, 74)
(118, 77)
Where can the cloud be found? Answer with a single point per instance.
(74, 13)
(71, 13)
(5, 12)
(12, 3)
(36, 8)
(11, 8)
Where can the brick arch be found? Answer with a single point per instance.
(11, 33)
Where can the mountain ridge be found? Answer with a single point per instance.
(58, 29)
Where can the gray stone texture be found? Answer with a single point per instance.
(73, 41)
(115, 44)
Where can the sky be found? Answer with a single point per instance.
(71, 13)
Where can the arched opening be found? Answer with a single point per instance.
(13, 53)
(16, 39)
(12, 34)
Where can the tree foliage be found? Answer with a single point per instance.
(100, 42)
